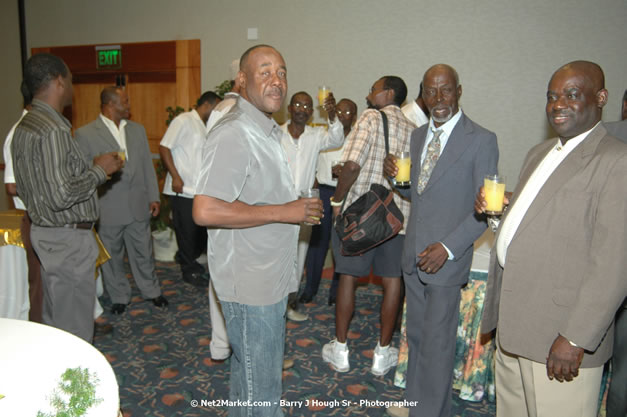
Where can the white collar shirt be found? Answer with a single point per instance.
(302, 153)
(185, 138)
(9, 176)
(446, 128)
(119, 134)
(534, 184)
(414, 113)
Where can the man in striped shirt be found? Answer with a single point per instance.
(58, 188)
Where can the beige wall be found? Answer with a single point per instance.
(504, 50)
(11, 74)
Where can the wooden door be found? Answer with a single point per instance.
(157, 74)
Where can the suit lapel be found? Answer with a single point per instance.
(106, 136)
(573, 163)
(457, 143)
(528, 168)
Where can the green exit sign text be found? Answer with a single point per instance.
(108, 57)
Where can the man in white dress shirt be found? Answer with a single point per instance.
(302, 144)
(416, 110)
(181, 149)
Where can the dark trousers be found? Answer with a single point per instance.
(35, 288)
(68, 261)
(617, 394)
(190, 238)
(432, 318)
(319, 245)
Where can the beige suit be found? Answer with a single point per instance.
(566, 264)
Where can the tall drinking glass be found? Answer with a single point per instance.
(311, 193)
(323, 93)
(403, 163)
(494, 187)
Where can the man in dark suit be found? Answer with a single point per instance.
(557, 272)
(127, 200)
(617, 394)
(450, 156)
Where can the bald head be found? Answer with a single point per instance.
(441, 68)
(575, 98)
(441, 93)
(592, 73)
(244, 60)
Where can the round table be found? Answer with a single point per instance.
(32, 359)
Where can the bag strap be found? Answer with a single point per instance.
(387, 147)
(385, 131)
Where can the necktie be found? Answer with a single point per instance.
(431, 158)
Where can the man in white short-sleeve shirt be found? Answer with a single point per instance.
(180, 151)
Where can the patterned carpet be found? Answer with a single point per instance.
(163, 366)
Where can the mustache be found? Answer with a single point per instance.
(276, 90)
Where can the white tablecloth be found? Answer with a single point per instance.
(32, 359)
(14, 303)
(481, 253)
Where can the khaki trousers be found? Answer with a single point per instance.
(523, 389)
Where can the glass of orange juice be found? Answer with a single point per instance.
(323, 93)
(403, 163)
(494, 188)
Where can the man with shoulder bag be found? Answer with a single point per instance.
(364, 152)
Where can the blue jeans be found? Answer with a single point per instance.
(257, 337)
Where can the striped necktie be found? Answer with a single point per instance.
(431, 158)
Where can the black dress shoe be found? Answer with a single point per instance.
(118, 308)
(305, 298)
(197, 279)
(160, 301)
(332, 300)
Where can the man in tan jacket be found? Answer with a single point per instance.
(556, 274)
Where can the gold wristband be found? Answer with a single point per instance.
(335, 203)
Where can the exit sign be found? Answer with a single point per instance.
(108, 57)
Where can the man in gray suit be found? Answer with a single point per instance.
(127, 200)
(450, 156)
(617, 394)
(619, 129)
(557, 272)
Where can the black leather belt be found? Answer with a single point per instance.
(86, 226)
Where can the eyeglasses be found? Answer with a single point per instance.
(342, 112)
(372, 89)
(301, 106)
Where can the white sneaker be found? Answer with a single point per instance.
(336, 356)
(295, 315)
(383, 360)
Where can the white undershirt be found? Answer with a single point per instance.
(531, 189)
(118, 133)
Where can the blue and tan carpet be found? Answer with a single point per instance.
(163, 366)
